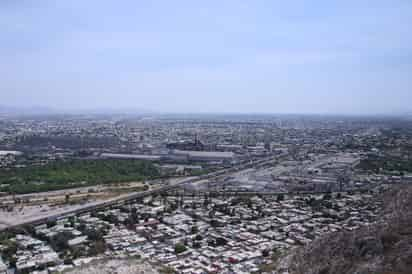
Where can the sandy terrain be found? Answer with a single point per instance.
(24, 213)
(115, 266)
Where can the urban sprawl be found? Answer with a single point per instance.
(188, 194)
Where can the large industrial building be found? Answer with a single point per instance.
(131, 156)
(207, 156)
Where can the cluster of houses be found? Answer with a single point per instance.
(33, 253)
(3, 267)
(8, 157)
(191, 235)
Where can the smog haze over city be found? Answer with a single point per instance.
(345, 57)
(205, 137)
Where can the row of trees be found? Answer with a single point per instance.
(68, 174)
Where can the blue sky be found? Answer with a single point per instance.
(295, 56)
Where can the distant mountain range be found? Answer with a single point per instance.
(43, 110)
(40, 110)
(25, 110)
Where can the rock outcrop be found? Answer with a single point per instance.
(382, 248)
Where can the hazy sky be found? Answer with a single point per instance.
(352, 56)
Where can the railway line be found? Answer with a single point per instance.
(139, 195)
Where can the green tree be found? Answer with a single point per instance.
(194, 229)
(97, 248)
(180, 248)
(59, 242)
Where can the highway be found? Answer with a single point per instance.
(34, 220)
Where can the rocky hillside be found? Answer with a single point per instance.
(382, 248)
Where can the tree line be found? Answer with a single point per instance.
(74, 173)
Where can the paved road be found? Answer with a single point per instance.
(42, 217)
(4, 223)
(175, 183)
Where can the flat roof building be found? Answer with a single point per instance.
(3, 267)
(205, 155)
(131, 156)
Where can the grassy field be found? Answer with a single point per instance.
(75, 173)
